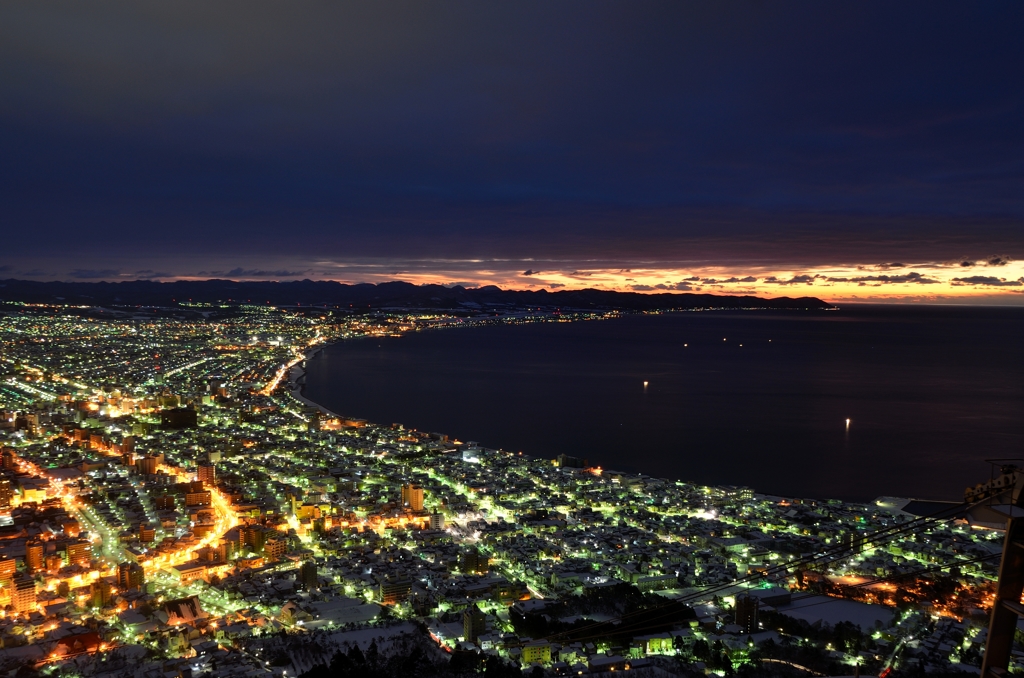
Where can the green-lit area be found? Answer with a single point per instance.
(172, 501)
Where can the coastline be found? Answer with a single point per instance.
(909, 504)
(297, 373)
(910, 507)
(296, 387)
(296, 381)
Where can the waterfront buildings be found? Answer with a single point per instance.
(167, 494)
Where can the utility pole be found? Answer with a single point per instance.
(1006, 493)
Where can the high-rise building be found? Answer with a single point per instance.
(472, 560)
(6, 493)
(35, 556)
(746, 612)
(79, 552)
(474, 623)
(10, 459)
(130, 576)
(275, 548)
(23, 593)
(536, 652)
(412, 497)
(146, 466)
(101, 592)
(308, 576)
(394, 590)
(8, 566)
(223, 550)
(254, 537)
(207, 474)
(198, 498)
(436, 521)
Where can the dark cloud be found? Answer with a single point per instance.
(990, 281)
(677, 287)
(882, 267)
(912, 277)
(239, 272)
(257, 273)
(994, 260)
(149, 273)
(94, 274)
(802, 279)
(530, 271)
(681, 286)
(5, 268)
(727, 281)
(783, 135)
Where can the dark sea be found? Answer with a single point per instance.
(756, 398)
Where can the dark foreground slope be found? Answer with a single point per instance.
(365, 295)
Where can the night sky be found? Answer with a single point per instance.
(845, 150)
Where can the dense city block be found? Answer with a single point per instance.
(171, 505)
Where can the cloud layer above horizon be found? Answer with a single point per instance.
(746, 147)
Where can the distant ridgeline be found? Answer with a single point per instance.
(366, 295)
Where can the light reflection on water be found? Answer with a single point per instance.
(929, 391)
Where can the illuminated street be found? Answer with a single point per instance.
(175, 460)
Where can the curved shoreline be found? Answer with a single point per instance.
(893, 504)
(297, 386)
(297, 373)
(298, 380)
(295, 376)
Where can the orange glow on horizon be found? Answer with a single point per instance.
(923, 282)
